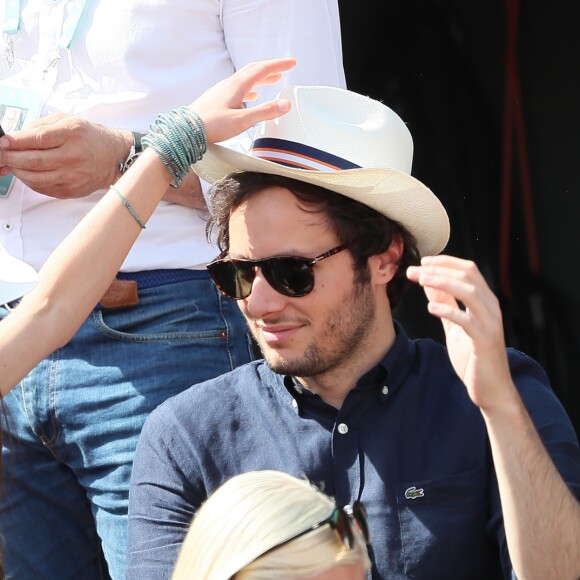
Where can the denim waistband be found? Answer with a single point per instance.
(152, 278)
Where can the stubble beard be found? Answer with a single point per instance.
(343, 340)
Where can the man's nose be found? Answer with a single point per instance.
(263, 299)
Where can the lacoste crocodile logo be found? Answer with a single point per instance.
(414, 493)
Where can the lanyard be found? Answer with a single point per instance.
(12, 26)
(72, 22)
(11, 16)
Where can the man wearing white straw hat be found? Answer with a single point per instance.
(463, 456)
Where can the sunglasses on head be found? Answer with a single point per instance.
(341, 521)
(289, 275)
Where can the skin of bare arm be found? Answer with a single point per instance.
(82, 267)
(541, 515)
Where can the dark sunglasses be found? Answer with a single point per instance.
(340, 520)
(289, 275)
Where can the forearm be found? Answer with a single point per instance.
(541, 515)
(95, 249)
(79, 271)
(188, 194)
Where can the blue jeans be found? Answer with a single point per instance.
(73, 425)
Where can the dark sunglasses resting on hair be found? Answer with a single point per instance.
(340, 520)
(268, 524)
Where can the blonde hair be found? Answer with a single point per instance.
(253, 512)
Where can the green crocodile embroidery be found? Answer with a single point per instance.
(414, 493)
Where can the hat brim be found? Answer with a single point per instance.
(395, 194)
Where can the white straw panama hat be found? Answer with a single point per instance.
(347, 143)
(16, 277)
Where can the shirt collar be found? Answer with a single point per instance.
(399, 359)
(386, 376)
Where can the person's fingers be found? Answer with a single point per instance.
(457, 292)
(47, 135)
(272, 78)
(48, 120)
(221, 108)
(264, 111)
(27, 161)
(28, 137)
(44, 181)
(261, 73)
(243, 81)
(251, 96)
(219, 128)
(265, 71)
(458, 278)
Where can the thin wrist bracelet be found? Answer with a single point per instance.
(179, 139)
(128, 206)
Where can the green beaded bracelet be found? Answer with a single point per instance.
(179, 139)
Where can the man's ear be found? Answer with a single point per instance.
(384, 266)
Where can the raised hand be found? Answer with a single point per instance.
(458, 294)
(222, 106)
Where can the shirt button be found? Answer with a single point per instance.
(343, 429)
(8, 227)
(294, 404)
(385, 390)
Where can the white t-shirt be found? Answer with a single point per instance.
(131, 59)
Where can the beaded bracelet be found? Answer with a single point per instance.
(179, 138)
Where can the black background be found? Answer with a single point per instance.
(444, 66)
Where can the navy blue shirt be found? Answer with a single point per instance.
(407, 441)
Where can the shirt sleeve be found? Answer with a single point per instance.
(308, 30)
(549, 417)
(164, 495)
(554, 428)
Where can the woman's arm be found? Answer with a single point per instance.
(82, 267)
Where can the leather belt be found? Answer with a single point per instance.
(120, 294)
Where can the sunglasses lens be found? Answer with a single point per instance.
(234, 279)
(340, 522)
(359, 513)
(289, 276)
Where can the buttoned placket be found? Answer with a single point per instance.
(346, 452)
(348, 455)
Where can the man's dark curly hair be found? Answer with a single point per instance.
(364, 231)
